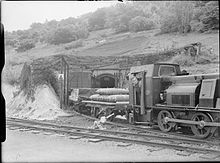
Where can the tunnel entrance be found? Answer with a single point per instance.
(106, 81)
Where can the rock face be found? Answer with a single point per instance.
(8, 92)
(44, 106)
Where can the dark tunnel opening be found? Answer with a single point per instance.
(107, 82)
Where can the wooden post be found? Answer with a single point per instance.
(142, 101)
(120, 79)
(64, 85)
(81, 76)
(115, 80)
(67, 84)
(131, 92)
(135, 95)
(61, 86)
(66, 90)
(198, 51)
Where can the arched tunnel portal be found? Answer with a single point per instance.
(105, 81)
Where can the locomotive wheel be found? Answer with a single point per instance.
(162, 123)
(199, 130)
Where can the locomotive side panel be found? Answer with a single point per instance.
(209, 93)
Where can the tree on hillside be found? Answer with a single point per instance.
(36, 26)
(22, 40)
(11, 39)
(25, 45)
(81, 30)
(184, 13)
(66, 34)
(97, 20)
(205, 16)
(169, 16)
(176, 16)
(210, 16)
(120, 23)
(114, 17)
(110, 16)
(51, 24)
(23, 34)
(140, 23)
(62, 35)
(123, 14)
(38, 32)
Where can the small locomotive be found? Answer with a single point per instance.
(161, 94)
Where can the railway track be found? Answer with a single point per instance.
(190, 145)
(150, 130)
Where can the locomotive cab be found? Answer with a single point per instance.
(146, 88)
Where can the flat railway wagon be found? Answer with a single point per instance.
(162, 94)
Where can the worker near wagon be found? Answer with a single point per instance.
(99, 124)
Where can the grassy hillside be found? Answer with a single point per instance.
(120, 44)
(104, 43)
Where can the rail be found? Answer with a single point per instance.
(139, 138)
(141, 129)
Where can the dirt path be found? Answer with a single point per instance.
(26, 146)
